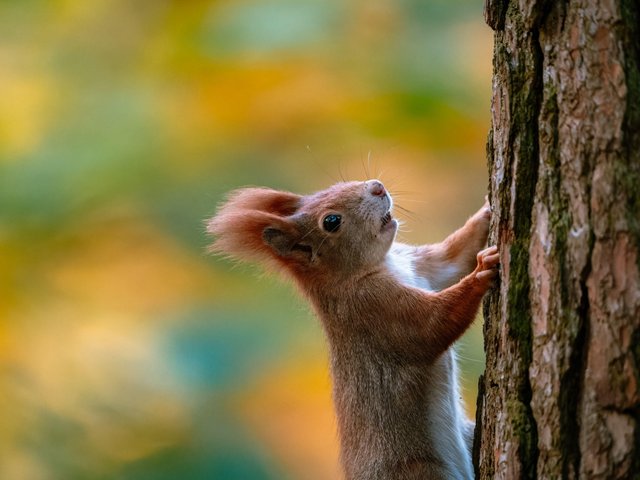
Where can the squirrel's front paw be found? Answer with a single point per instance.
(485, 211)
(487, 269)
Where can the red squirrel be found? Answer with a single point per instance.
(390, 311)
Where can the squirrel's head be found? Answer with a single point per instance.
(342, 229)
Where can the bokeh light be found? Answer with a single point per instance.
(126, 351)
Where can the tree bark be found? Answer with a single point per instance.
(560, 397)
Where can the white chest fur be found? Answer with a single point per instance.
(400, 263)
(445, 416)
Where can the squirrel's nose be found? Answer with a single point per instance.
(376, 188)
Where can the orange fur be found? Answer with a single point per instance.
(456, 252)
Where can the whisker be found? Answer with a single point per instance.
(364, 165)
(319, 165)
(413, 200)
(402, 192)
(309, 233)
(408, 215)
(340, 170)
(320, 246)
(408, 219)
(391, 182)
(406, 212)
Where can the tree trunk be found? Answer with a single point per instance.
(560, 397)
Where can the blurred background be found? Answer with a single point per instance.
(126, 352)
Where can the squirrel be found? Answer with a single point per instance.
(390, 311)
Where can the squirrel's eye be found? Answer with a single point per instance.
(331, 223)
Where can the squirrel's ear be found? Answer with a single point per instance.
(239, 224)
(285, 244)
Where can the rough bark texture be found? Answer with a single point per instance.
(560, 397)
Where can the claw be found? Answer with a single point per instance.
(488, 262)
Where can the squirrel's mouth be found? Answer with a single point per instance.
(386, 219)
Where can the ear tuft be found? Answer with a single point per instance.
(239, 226)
